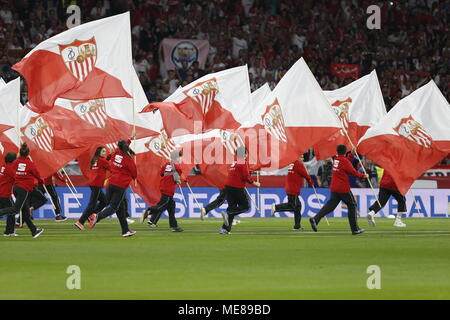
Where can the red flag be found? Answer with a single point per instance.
(412, 137)
(358, 107)
(66, 67)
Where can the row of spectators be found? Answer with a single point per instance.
(411, 47)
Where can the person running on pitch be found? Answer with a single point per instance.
(294, 181)
(170, 179)
(25, 172)
(123, 170)
(340, 190)
(388, 188)
(6, 186)
(238, 176)
(97, 175)
(38, 199)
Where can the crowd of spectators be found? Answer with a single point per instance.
(411, 47)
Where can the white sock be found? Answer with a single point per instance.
(372, 213)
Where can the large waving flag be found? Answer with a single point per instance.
(359, 106)
(289, 120)
(412, 137)
(89, 61)
(43, 134)
(215, 101)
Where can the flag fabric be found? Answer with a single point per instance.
(175, 51)
(2, 82)
(216, 101)
(90, 61)
(358, 106)
(342, 70)
(290, 119)
(412, 137)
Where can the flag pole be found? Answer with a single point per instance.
(258, 200)
(253, 201)
(362, 166)
(195, 199)
(71, 184)
(182, 194)
(320, 203)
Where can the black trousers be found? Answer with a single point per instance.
(20, 204)
(294, 205)
(37, 197)
(8, 203)
(165, 203)
(331, 204)
(114, 197)
(383, 197)
(97, 202)
(218, 202)
(237, 204)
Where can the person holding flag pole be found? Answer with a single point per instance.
(97, 201)
(388, 188)
(123, 170)
(238, 175)
(170, 173)
(294, 180)
(340, 190)
(25, 173)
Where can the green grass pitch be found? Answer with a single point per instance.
(262, 259)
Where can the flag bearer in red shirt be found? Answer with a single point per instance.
(24, 174)
(123, 170)
(294, 181)
(170, 179)
(388, 188)
(97, 175)
(340, 190)
(238, 176)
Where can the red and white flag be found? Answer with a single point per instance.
(2, 82)
(42, 133)
(358, 106)
(412, 137)
(90, 61)
(295, 116)
(216, 101)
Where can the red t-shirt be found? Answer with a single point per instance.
(294, 179)
(25, 172)
(342, 167)
(387, 182)
(97, 174)
(238, 175)
(167, 184)
(6, 180)
(123, 169)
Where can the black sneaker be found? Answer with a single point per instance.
(358, 231)
(297, 228)
(60, 218)
(313, 224)
(176, 229)
(37, 233)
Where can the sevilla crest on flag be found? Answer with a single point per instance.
(231, 141)
(92, 111)
(274, 122)
(341, 109)
(79, 57)
(204, 94)
(414, 131)
(161, 145)
(40, 133)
